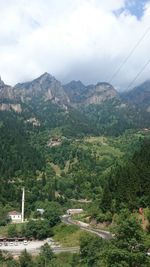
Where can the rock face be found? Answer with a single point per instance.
(76, 91)
(6, 91)
(139, 95)
(8, 99)
(46, 87)
(100, 93)
(9, 107)
(92, 94)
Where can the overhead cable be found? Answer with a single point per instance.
(128, 56)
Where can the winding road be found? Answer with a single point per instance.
(103, 234)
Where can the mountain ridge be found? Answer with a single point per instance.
(74, 93)
(75, 107)
(48, 88)
(139, 95)
(90, 94)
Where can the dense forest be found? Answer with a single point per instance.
(128, 183)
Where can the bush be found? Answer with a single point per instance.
(38, 229)
(12, 230)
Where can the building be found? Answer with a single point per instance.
(15, 216)
(41, 211)
(74, 211)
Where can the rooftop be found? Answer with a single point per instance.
(14, 213)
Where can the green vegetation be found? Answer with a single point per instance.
(126, 249)
(128, 183)
(39, 228)
(113, 118)
(67, 235)
(97, 159)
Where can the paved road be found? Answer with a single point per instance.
(103, 234)
(35, 251)
(33, 247)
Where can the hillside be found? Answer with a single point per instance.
(128, 183)
(139, 95)
(92, 137)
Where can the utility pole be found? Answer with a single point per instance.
(23, 199)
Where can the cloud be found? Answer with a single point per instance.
(81, 39)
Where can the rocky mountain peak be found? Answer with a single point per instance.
(6, 91)
(45, 77)
(75, 84)
(45, 87)
(75, 90)
(90, 94)
(100, 92)
(102, 86)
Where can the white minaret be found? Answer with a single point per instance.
(23, 198)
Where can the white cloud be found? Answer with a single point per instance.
(80, 39)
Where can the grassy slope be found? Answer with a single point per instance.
(67, 235)
(106, 149)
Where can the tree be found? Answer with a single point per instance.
(25, 259)
(46, 255)
(128, 247)
(52, 213)
(91, 250)
(38, 229)
(12, 230)
(6, 259)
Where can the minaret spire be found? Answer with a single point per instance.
(23, 199)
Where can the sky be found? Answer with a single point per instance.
(83, 40)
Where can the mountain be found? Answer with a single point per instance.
(80, 94)
(8, 99)
(139, 95)
(100, 93)
(6, 91)
(45, 87)
(76, 109)
(75, 91)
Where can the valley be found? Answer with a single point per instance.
(76, 147)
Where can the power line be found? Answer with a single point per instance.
(139, 73)
(129, 55)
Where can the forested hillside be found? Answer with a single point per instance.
(128, 183)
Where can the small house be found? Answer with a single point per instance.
(74, 211)
(15, 216)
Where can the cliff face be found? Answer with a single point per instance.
(76, 91)
(100, 93)
(46, 87)
(6, 91)
(10, 107)
(92, 94)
